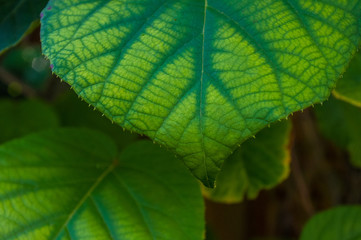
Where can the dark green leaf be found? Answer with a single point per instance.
(349, 87)
(24, 117)
(18, 17)
(341, 223)
(76, 113)
(258, 164)
(340, 122)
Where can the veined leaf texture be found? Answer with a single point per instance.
(73, 184)
(200, 76)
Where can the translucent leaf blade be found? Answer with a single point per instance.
(200, 77)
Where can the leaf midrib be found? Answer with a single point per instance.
(201, 93)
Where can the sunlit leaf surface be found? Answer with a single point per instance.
(200, 76)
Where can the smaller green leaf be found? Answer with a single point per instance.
(258, 164)
(72, 184)
(74, 112)
(340, 123)
(341, 223)
(24, 117)
(349, 87)
(17, 19)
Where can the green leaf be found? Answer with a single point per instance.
(72, 184)
(258, 164)
(349, 87)
(200, 76)
(17, 19)
(76, 113)
(24, 117)
(341, 223)
(340, 122)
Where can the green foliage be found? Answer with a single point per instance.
(24, 117)
(340, 122)
(349, 87)
(72, 184)
(17, 18)
(200, 76)
(342, 223)
(258, 164)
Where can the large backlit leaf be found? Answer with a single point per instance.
(341, 223)
(258, 164)
(72, 184)
(200, 76)
(24, 117)
(349, 87)
(17, 17)
(340, 122)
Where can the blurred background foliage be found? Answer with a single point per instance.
(317, 163)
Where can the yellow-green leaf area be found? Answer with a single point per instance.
(200, 76)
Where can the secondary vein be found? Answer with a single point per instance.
(87, 194)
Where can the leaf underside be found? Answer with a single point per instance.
(200, 76)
